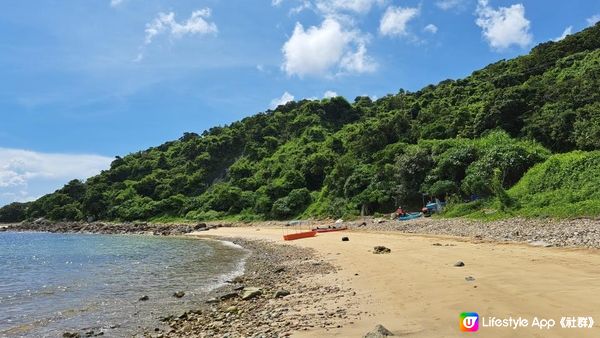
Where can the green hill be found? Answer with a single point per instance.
(473, 136)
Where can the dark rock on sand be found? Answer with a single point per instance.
(469, 278)
(345, 239)
(379, 332)
(71, 335)
(381, 250)
(144, 298)
(459, 264)
(281, 293)
(179, 294)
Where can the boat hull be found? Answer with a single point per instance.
(299, 235)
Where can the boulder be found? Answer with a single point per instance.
(381, 250)
(345, 239)
(144, 298)
(179, 294)
(459, 264)
(251, 292)
(379, 332)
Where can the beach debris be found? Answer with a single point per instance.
(179, 294)
(459, 264)
(144, 298)
(379, 332)
(469, 278)
(381, 250)
(437, 244)
(345, 239)
(281, 293)
(251, 292)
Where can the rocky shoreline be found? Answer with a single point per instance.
(277, 295)
(582, 232)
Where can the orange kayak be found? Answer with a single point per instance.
(299, 235)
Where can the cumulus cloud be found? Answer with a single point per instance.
(27, 174)
(450, 4)
(504, 26)
(431, 28)
(285, 98)
(395, 20)
(593, 19)
(196, 24)
(321, 50)
(329, 94)
(567, 31)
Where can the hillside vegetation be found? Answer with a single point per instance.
(467, 138)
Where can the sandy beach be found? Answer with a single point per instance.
(417, 291)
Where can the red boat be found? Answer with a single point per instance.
(319, 230)
(299, 235)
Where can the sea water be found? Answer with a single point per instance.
(52, 283)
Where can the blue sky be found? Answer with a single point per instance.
(83, 81)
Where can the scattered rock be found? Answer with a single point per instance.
(279, 269)
(71, 335)
(212, 301)
(251, 292)
(179, 294)
(229, 295)
(345, 239)
(437, 244)
(144, 298)
(379, 332)
(469, 278)
(281, 293)
(381, 250)
(459, 264)
(232, 309)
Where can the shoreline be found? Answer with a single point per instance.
(511, 275)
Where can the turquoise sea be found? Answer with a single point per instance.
(52, 283)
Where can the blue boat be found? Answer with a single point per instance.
(409, 216)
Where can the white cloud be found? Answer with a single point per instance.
(567, 31)
(329, 94)
(319, 50)
(593, 19)
(285, 98)
(450, 4)
(431, 28)
(358, 61)
(276, 2)
(504, 26)
(196, 24)
(395, 19)
(356, 6)
(25, 173)
(115, 3)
